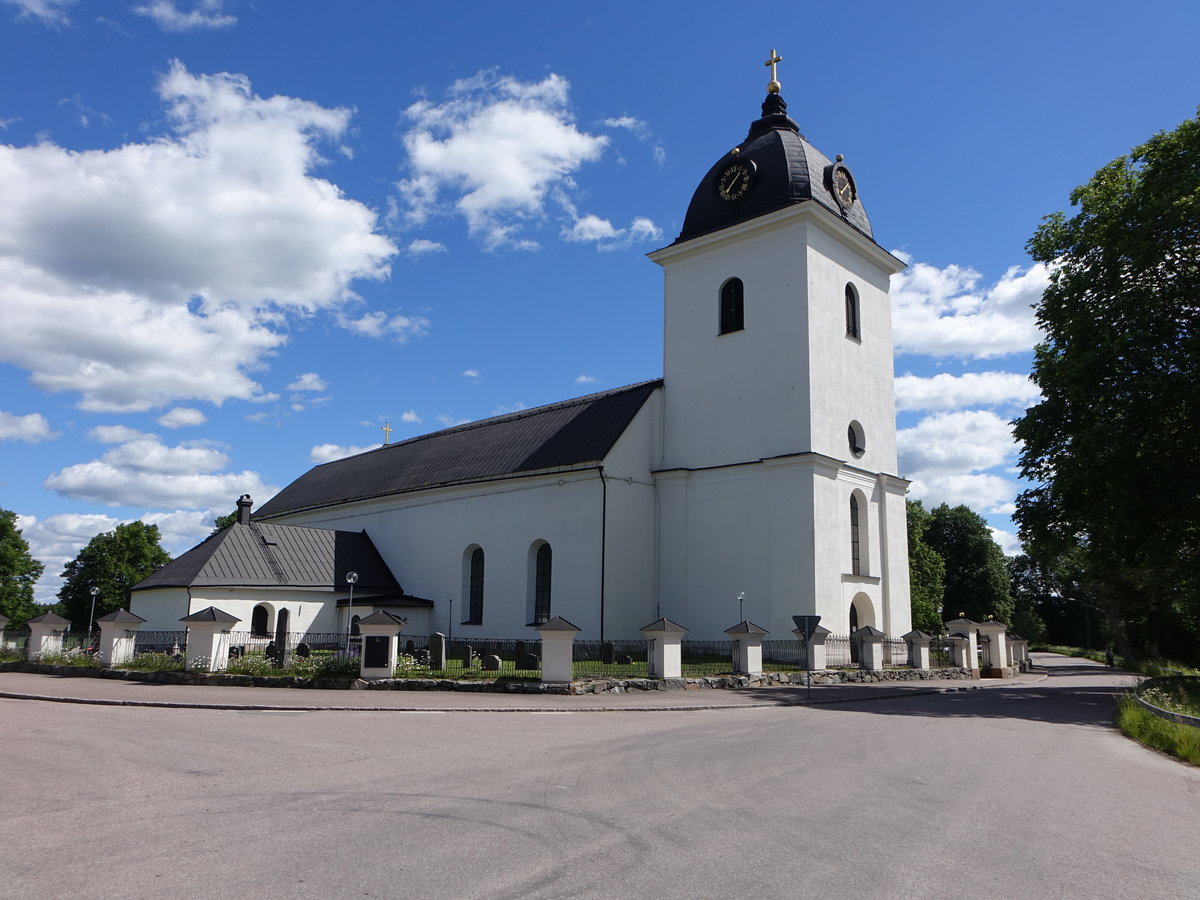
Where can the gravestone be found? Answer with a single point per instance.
(303, 650)
(467, 656)
(529, 662)
(520, 650)
(491, 663)
(608, 653)
(409, 647)
(437, 651)
(627, 660)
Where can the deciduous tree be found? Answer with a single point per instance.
(1114, 446)
(977, 579)
(19, 571)
(113, 561)
(926, 573)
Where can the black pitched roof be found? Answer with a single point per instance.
(557, 436)
(262, 554)
(788, 170)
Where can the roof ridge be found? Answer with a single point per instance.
(512, 416)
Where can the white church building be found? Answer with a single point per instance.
(762, 464)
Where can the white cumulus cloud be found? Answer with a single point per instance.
(164, 270)
(945, 391)
(410, 416)
(585, 379)
(422, 246)
(182, 417)
(323, 453)
(202, 14)
(146, 473)
(500, 149)
(308, 381)
(946, 312)
(400, 328)
(50, 12)
(601, 232)
(32, 428)
(947, 456)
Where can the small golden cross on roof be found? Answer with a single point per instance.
(775, 59)
(387, 431)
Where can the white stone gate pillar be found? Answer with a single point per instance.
(381, 637)
(747, 647)
(918, 649)
(870, 643)
(664, 656)
(208, 639)
(117, 636)
(996, 662)
(816, 646)
(558, 642)
(46, 635)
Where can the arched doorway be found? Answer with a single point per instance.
(260, 621)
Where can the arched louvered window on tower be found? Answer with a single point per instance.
(855, 551)
(852, 329)
(733, 316)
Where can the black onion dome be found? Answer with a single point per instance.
(788, 170)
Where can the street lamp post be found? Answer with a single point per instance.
(351, 579)
(94, 591)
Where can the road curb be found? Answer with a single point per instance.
(270, 707)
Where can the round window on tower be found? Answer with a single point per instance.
(858, 444)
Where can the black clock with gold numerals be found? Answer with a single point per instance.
(842, 183)
(734, 180)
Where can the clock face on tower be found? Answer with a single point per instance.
(842, 183)
(734, 180)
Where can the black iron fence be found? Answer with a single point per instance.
(172, 642)
(783, 656)
(609, 659)
(487, 657)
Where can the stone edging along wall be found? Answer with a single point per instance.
(593, 686)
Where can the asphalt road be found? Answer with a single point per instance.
(1016, 791)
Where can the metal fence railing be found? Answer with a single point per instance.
(494, 657)
(895, 653)
(172, 642)
(783, 656)
(610, 659)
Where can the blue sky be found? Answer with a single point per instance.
(236, 238)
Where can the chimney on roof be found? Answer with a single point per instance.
(244, 505)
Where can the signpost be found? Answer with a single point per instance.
(807, 625)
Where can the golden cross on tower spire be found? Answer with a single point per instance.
(387, 431)
(773, 86)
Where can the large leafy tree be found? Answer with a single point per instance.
(113, 561)
(926, 573)
(977, 581)
(18, 572)
(1114, 446)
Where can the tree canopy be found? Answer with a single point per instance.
(113, 561)
(926, 573)
(1114, 446)
(220, 523)
(19, 571)
(977, 580)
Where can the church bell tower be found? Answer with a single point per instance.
(778, 473)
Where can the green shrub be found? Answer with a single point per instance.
(71, 658)
(1181, 741)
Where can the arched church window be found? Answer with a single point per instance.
(856, 440)
(855, 553)
(474, 587)
(542, 564)
(851, 312)
(732, 306)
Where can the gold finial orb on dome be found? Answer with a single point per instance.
(773, 86)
